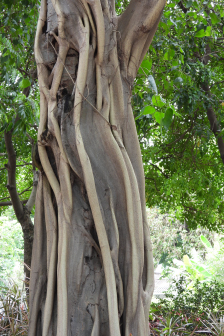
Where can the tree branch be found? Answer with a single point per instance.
(10, 203)
(215, 128)
(22, 192)
(164, 174)
(214, 123)
(136, 27)
(25, 164)
(11, 184)
(181, 5)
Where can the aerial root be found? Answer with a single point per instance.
(96, 324)
(91, 190)
(133, 202)
(114, 256)
(38, 278)
(51, 228)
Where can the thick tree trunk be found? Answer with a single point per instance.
(92, 266)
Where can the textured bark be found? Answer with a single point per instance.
(92, 267)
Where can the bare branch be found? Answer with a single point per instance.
(10, 203)
(181, 5)
(22, 192)
(25, 164)
(161, 171)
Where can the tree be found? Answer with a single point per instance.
(18, 115)
(178, 100)
(92, 267)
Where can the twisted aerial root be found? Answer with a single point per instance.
(114, 256)
(37, 278)
(51, 229)
(133, 204)
(44, 97)
(65, 201)
(91, 190)
(96, 324)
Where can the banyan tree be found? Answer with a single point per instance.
(92, 266)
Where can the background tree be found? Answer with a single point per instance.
(92, 267)
(18, 114)
(178, 105)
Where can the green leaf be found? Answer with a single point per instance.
(200, 33)
(208, 31)
(146, 110)
(24, 83)
(178, 80)
(158, 101)
(189, 4)
(186, 260)
(146, 66)
(205, 242)
(167, 120)
(158, 116)
(214, 18)
(149, 110)
(169, 55)
(4, 59)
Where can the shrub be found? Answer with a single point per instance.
(13, 310)
(203, 296)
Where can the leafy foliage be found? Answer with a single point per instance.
(11, 248)
(172, 239)
(203, 296)
(19, 96)
(195, 311)
(183, 168)
(202, 266)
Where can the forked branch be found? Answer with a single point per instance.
(136, 27)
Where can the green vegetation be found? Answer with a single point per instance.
(11, 249)
(189, 311)
(19, 96)
(178, 102)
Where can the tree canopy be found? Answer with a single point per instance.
(179, 108)
(19, 96)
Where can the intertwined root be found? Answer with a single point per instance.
(91, 159)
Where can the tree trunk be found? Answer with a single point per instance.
(92, 267)
(27, 227)
(22, 212)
